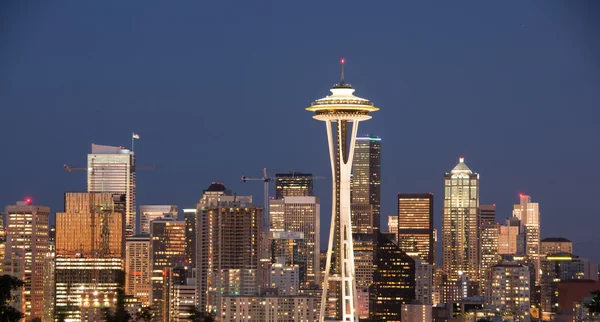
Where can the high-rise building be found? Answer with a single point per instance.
(415, 225)
(393, 281)
(301, 214)
(189, 216)
(151, 212)
(393, 225)
(90, 252)
(362, 218)
(510, 289)
(366, 175)
(424, 284)
(511, 238)
(112, 169)
(180, 294)
(341, 112)
(284, 277)
(293, 184)
(269, 308)
(229, 236)
(529, 214)
(488, 241)
(553, 245)
(27, 229)
(459, 222)
(364, 247)
(137, 267)
(416, 313)
(167, 249)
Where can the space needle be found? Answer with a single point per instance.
(341, 111)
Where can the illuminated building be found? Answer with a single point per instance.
(167, 249)
(511, 238)
(112, 169)
(293, 184)
(151, 212)
(573, 291)
(137, 267)
(393, 281)
(229, 231)
(416, 313)
(361, 216)
(13, 264)
(424, 285)
(364, 247)
(415, 225)
(555, 245)
(510, 288)
(189, 216)
(27, 229)
(366, 176)
(269, 308)
(180, 294)
(301, 214)
(284, 277)
(488, 242)
(2, 241)
(286, 244)
(49, 291)
(529, 214)
(393, 226)
(561, 267)
(90, 252)
(341, 112)
(459, 222)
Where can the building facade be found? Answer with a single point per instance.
(151, 212)
(415, 225)
(293, 184)
(137, 267)
(553, 245)
(112, 169)
(269, 308)
(460, 251)
(393, 281)
(529, 214)
(364, 248)
(488, 241)
(510, 289)
(424, 282)
(27, 228)
(511, 238)
(366, 175)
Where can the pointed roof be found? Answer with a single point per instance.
(461, 167)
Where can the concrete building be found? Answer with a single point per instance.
(529, 214)
(27, 228)
(488, 243)
(553, 245)
(415, 225)
(460, 251)
(151, 212)
(137, 268)
(284, 278)
(416, 313)
(90, 253)
(229, 236)
(299, 214)
(112, 169)
(510, 289)
(424, 285)
(269, 308)
(361, 216)
(167, 249)
(393, 226)
(364, 247)
(393, 281)
(190, 217)
(511, 238)
(180, 293)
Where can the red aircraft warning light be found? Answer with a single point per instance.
(28, 200)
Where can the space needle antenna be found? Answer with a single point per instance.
(343, 61)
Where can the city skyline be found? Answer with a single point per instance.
(490, 86)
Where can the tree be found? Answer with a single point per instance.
(145, 314)
(120, 314)
(198, 316)
(8, 284)
(594, 306)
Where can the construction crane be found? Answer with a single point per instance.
(266, 179)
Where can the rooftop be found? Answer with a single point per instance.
(216, 187)
(461, 167)
(556, 240)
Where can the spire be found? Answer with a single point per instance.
(342, 83)
(343, 61)
(461, 167)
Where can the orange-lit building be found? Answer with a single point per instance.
(415, 225)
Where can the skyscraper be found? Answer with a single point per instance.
(151, 212)
(112, 169)
(90, 252)
(167, 249)
(27, 230)
(366, 175)
(362, 218)
(529, 214)
(229, 231)
(341, 109)
(488, 241)
(459, 222)
(189, 216)
(302, 214)
(364, 248)
(511, 238)
(137, 267)
(293, 184)
(393, 281)
(415, 225)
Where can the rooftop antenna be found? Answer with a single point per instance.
(343, 61)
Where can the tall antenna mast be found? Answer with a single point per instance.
(343, 61)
